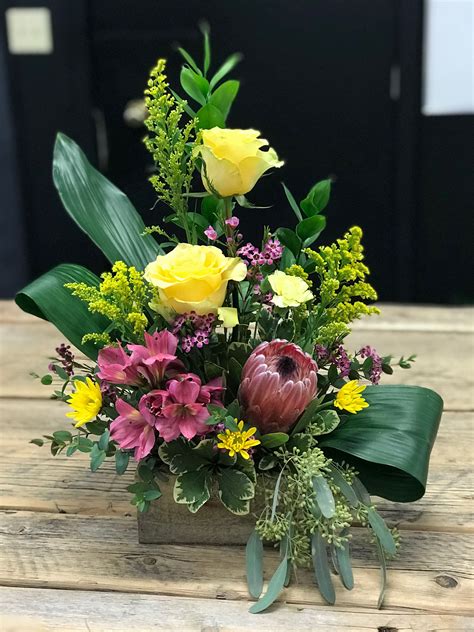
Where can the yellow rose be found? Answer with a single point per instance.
(233, 160)
(289, 291)
(229, 317)
(193, 278)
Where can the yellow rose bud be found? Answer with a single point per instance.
(193, 278)
(233, 160)
(228, 316)
(289, 291)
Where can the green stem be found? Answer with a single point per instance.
(227, 228)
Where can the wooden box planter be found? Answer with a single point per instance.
(167, 522)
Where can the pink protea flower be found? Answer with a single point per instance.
(133, 428)
(183, 411)
(278, 382)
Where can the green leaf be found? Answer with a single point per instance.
(101, 210)
(235, 490)
(71, 449)
(47, 379)
(233, 409)
(61, 372)
(38, 442)
(293, 202)
(325, 421)
(361, 492)
(210, 116)
(381, 530)
(289, 239)
(274, 440)
(104, 440)
(210, 208)
(192, 489)
(285, 329)
(189, 111)
(343, 557)
(62, 436)
(226, 67)
(254, 563)
(247, 467)
(310, 228)
(276, 495)
(317, 198)
(194, 84)
(383, 573)
(47, 298)
(190, 60)
(267, 462)
(145, 473)
(307, 417)
(97, 457)
(121, 461)
(343, 485)
(301, 441)
(212, 370)
(151, 494)
(321, 568)
(204, 26)
(275, 586)
(390, 441)
(224, 96)
(324, 496)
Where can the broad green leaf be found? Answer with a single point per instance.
(38, 442)
(235, 490)
(275, 586)
(285, 329)
(254, 564)
(247, 467)
(343, 558)
(274, 440)
(193, 489)
(324, 496)
(289, 239)
(324, 422)
(121, 461)
(321, 567)
(104, 440)
(47, 379)
(381, 530)
(97, 457)
(300, 440)
(226, 67)
(310, 228)
(293, 203)
(101, 210)
(343, 485)
(47, 298)
(152, 494)
(389, 442)
(210, 208)
(317, 198)
(194, 84)
(233, 409)
(307, 417)
(224, 96)
(210, 116)
(63, 436)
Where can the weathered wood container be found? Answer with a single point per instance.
(167, 522)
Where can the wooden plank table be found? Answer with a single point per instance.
(69, 555)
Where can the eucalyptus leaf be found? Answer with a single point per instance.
(344, 566)
(254, 563)
(381, 530)
(321, 568)
(276, 495)
(275, 586)
(324, 496)
(383, 573)
(346, 489)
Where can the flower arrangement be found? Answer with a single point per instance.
(221, 363)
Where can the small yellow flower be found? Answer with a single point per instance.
(86, 401)
(289, 291)
(349, 397)
(238, 441)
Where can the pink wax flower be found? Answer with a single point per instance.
(278, 382)
(183, 408)
(116, 367)
(210, 233)
(156, 357)
(233, 222)
(133, 428)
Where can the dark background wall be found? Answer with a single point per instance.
(319, 79)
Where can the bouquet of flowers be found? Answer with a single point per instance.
(220, 364)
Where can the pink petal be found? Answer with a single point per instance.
(184, 392)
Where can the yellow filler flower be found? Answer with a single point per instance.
(349, 397)
(238, 441)
(86, 402)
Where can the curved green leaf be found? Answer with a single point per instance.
(310, 228)
(101, 210)
(226, 67)
(209, 116)
(274, 440)
(343, 558)
(275, 586)
(194, 84)
(224, 96)
(381, 530)
(343, 485)
(389, 443)
(324, 496)
(317, 198)
(289, 239)
(254, 561)
(321, 567)
(47, 298)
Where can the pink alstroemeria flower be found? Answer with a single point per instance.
(156, 357)
(181, 412)
(133, 428)
(116, 367)
(211, 392)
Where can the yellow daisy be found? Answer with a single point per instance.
(238, 441)
(349, 398)
(86, 401)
